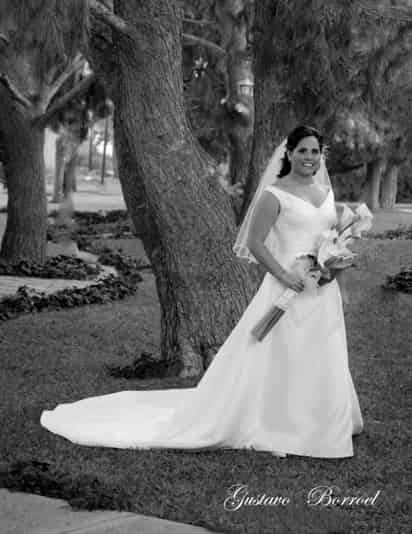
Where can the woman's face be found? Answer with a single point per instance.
(305, 158)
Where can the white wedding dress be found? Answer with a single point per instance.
(292, 392)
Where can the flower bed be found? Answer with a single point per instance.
(64, 267)
(402, 232)
(108, 289)
(96, 217)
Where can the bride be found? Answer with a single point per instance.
(292, 392)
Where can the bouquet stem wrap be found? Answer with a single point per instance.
(270, 318)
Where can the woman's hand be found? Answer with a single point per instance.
(293, 281)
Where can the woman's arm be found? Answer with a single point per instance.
(265, 214)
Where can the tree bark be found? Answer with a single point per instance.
(374, 171)
(22, 147)
(172, 194)
(59, 170)
(91, 149)
(239, 124)
(70, 178)
(235, 21)
(274, 112)
(390, 186)
(67, 146)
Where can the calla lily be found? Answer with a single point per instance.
(346, 236)
(346, 217)
(340, 262)
(332, 245)
(363, 223)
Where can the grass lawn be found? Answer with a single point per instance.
(58, 357)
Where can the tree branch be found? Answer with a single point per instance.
(386, 56)
(197, 21)
(15, 93)
(76, 64)
(195, 40)
(399, 13)
(118, 24)
(107, 16)
(61, 103)
(3, 39)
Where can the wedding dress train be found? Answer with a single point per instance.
(291, 392)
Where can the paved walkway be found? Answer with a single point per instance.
(23, 513)
(10, 284)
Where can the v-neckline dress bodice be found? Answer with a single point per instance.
(297, 197)
(299, 224)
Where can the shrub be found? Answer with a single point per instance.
(401, 281)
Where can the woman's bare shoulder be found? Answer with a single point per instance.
(269, 203)
(264, 216)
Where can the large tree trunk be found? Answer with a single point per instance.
(374, 170)
(274, 112)
(59, 170)
(390, 186)
(235, 21)
(67, 147)
(70, 177)
(240, 123)
(22, 148)
(184, 218)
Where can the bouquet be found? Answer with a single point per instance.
(320, 267)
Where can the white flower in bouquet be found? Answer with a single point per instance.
(353, 223)
(331, 244)
(363, 221)
(346, 218)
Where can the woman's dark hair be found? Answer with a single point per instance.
(294, 138)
